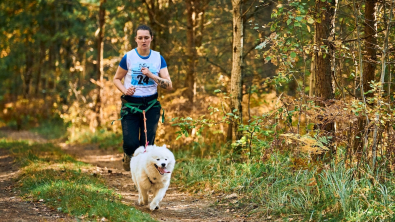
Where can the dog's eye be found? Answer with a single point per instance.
(157, 159)
(166, 159)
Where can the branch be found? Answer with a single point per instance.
(250, 50)
(152, 14)
(257, 9)
(337, 84)
(146, 3)
(212, 63)
(351, 40)
(248, 9)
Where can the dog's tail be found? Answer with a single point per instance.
(143, 149)
(139, 150)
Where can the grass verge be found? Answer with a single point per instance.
(104, 138)
(287, 187)
(66, 184)
(53, 128)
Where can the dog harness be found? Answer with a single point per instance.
(150, 180)
(134, 108)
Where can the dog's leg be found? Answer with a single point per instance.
(137, 186)
(144, 196)
(155, 193)
(140, 199)
(159, 194)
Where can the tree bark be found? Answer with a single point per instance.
(323, 71)
(384, 55)
(195, 29)
(29, 58)
(191, 52)
(312, 79)
(236, 76)
(39, 68)
(369, 68)
(99, 64)
(324, 34)
(159, 16)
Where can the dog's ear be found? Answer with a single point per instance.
(164, 146)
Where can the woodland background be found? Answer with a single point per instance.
(295, 97)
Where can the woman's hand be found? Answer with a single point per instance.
(130, 91)
(163, 82)
(146, 72)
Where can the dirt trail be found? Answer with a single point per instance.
(176, 206)
(12, 207)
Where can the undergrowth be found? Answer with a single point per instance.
(56, 128)
(273, 168)
(281, 187)
(104, 138)
(53, 128)
(67, 185)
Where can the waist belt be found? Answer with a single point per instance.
(134, 108)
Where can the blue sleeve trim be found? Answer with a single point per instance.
(123, 64)
(163, 63)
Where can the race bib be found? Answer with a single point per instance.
(141, 80)
(138, 78)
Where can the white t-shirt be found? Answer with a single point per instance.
(145, 86)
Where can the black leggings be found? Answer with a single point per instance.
(133, 123)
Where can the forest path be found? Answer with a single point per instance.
(12, 207)
(175, 206)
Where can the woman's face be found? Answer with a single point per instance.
(143, 39)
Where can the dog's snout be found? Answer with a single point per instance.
(163, 164)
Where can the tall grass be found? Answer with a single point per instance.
(280, 187)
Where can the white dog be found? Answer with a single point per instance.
(151, 170)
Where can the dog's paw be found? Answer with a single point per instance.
(140, 203)
(136, 202)
(153, 207)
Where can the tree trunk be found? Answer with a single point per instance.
(200, 9)
(384, 54)
(159, 14)
(191, 52)
(99, 75)
(323, 77)
(39, 68)
(50, 80)
(312, 78)
(324, 33)
(369, 68)
(28, 68)
(236, 76)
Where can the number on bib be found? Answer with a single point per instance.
(142, 79)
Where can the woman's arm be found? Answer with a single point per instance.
(119, 75)
(163, 81)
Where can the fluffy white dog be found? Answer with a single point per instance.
(151, 170)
